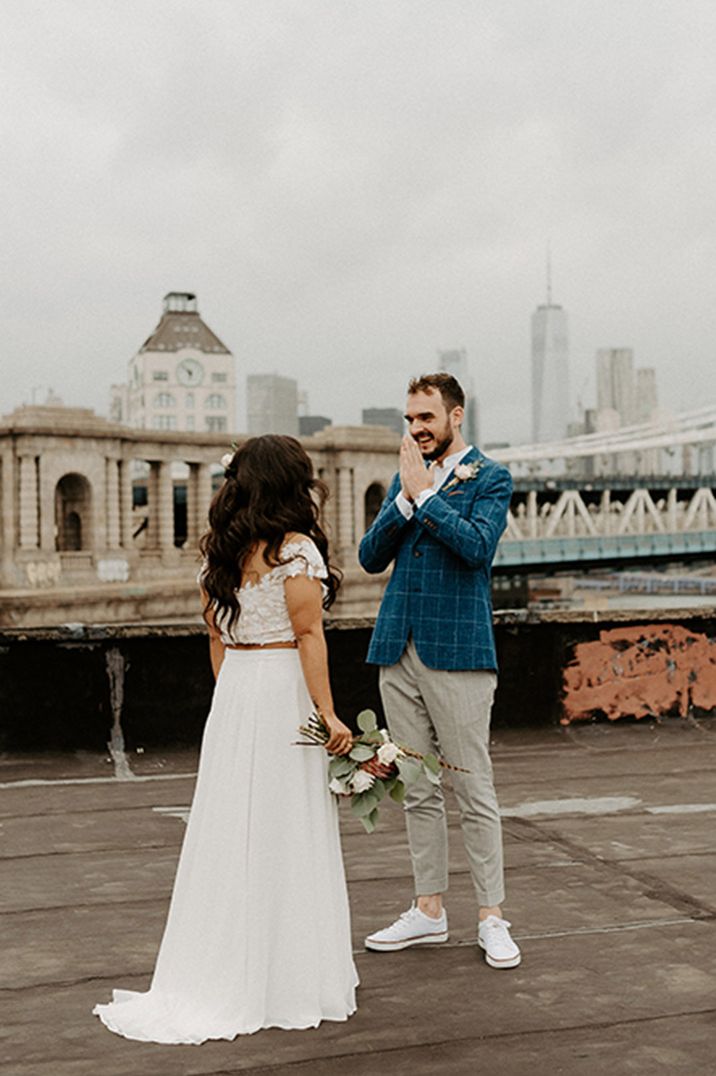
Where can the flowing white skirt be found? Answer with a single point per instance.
(258, 931)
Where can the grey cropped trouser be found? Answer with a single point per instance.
(447, 712)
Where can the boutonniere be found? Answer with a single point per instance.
(464, 472)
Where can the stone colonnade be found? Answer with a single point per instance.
(67, 470)
(41, 448)
(28, 519)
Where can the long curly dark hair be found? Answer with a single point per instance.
(269, 491)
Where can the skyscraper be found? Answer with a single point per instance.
(390, 417)
(550, 370)
(454, 361)
(272, 404)
(615, 383)
(647, 401)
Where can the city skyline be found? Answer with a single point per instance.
(350, 190)
(51, 394)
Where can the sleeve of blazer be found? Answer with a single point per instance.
(380, 542)
(474, 539)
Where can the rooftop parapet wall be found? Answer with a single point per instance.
(56, 685)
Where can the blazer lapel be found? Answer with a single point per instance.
(469, 457)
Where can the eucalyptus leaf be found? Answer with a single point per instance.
(397, 792)
(367, 721)
(340, 766)
(409, 771)
(361, 752)
(369, 821)
(434, 778)
(363, 803)
(378, 789)
(431, 763)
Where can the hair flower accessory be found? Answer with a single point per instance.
(464, 472)
(226, 459)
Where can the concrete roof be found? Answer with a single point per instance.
(609, 857)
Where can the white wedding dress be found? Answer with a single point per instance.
(258, 931)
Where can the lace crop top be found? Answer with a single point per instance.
(264, 614)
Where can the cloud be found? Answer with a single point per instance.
(350, 186)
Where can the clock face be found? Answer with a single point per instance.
(190, 372)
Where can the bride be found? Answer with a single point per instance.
(258, 931)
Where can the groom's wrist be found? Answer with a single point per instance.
(404, 505)
(423, 496)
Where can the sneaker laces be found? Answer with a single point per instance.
(411, 912)
(494, 923)
(407, 914)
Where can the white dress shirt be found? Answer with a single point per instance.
(440, 472)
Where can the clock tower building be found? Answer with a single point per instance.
(182, 378)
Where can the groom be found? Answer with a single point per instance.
(433, 641)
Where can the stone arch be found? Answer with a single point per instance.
(73, 513)
(372, 500)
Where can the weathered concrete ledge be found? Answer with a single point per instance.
(180, 626)
(79, 686)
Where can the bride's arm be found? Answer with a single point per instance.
(305, 609)
(216, 647)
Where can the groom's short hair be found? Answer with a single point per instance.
(448, 386)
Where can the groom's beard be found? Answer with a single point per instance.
(440, 448)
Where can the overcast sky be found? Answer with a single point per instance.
(349, 185)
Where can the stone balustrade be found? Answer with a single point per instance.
(103, 521)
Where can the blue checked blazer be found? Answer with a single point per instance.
(439, 590)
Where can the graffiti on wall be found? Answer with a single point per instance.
(113, 570)
(647, 671)
(43, 573)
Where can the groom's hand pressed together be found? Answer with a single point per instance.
(414, 476)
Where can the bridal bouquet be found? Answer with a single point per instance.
(374, 767)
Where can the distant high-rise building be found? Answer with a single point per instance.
(646, 409)
(647, 401)
(182, 377)
(272, 404)
(390, 417)
(626, 396)
(310, 424)
(550, 370)
(455, 361)
(615, 383)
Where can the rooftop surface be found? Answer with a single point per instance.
(610, 875)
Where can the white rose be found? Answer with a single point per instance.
(337, 786)
(387, 753)
(463, 471)
(362, 781)
(226, 459)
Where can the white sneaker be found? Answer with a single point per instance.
(412, 928)
(494, 937)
